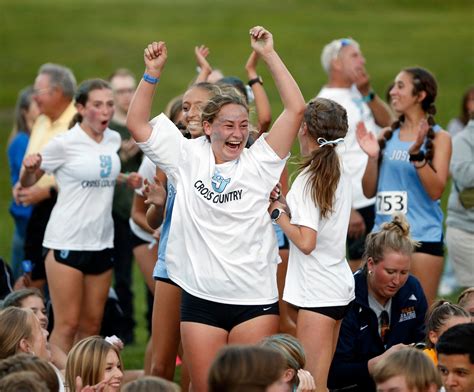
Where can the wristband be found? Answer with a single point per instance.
(369, 97)
(258, 79)
(418, 157)
(150, 79)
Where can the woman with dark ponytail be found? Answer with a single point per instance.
(315, 218)
(79, 235)
(408, 169)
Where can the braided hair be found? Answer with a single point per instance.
(422, 80)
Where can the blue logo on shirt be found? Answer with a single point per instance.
(105, 165)
(219, 183)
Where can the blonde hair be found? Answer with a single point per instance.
(26, 362)
(226, 96)
(393, 236)
(417, 367)
(290, 348)
(15, 324)
(25, 380)
(87, 359)
(465, 296)
(245, 369)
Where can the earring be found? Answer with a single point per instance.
(370, 272)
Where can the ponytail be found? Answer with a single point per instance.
(326, 122)
(76, 119)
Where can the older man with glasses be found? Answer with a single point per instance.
(53, 92)
(349, 85)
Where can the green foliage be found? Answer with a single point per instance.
(94, 37)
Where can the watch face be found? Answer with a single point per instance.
(275, 214)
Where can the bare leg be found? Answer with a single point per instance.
(287, 324)
(165, 329)
(314, 331)
(254, 330)
(66, 290)
(201, 343)
(147, 359)
(146, 259)
(428, 270)
(96, 289)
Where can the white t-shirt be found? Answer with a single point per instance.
(354, 159)
(85, 172)
(147, 170)
(221, 246)
(322, 278)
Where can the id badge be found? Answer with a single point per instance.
(390, 202)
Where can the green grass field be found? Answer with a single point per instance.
(94, 37)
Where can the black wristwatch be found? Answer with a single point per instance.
(276, 213)
(418, 157)
(258, 79)
(369, 97)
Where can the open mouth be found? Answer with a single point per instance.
(233, 145)
(104, 123)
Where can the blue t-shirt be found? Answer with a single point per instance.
(400, 189)
(16, 153)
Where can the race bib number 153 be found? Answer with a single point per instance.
(388, 203)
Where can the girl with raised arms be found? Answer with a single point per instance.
(79, 235)
(221, 249)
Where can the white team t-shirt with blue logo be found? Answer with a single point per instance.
(85, 172)
(322, 278)
(221, 245)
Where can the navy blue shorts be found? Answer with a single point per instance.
(224, 316)
(89, 262)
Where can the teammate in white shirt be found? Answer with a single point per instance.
(315, 217)
(79, 234)
(222, 249)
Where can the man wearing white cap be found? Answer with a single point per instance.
(349, 85)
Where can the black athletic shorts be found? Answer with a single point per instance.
(334, 312)
(225, 316)
(136, 240)
(165, 280)
(431, 248)
(86, 261)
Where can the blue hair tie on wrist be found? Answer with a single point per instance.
(150, 79)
